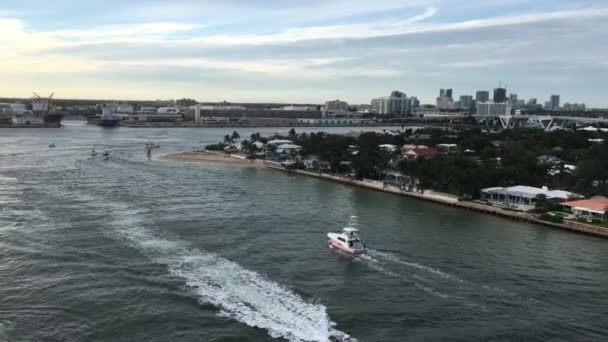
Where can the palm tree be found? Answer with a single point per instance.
(253, 150)
(246, 145)
(227, 139)
(235, 136)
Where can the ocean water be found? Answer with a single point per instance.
(131, 249)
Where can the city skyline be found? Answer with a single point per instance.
(261, 52)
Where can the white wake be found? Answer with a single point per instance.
(240, 294)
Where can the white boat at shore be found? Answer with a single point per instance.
(348, 241)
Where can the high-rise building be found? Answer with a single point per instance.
(574, 107)
(335, 107)
(521, 103)
(445, 93)
(500, 95)
(466, 102)
(482, 96)
(493, 108)
(444, 102)
(532, 102)
(414, 102)
(554, 102)
(395, 104)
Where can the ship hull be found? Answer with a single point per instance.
(52, 120)
(104, 123)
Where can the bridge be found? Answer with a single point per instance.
(546, 122)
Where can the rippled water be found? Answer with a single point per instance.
(135, 249)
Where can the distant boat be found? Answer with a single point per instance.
(150, 146)
(93, 153)
(52, 145)
(106, 155)
(348, 241)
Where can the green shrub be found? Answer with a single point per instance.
(551, 218)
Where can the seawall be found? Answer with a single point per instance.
(449, 200)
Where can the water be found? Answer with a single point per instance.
(137, 250)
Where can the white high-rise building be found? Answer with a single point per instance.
(395, 104)
(444, 102)
(493, 108)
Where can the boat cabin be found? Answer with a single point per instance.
(351, 233)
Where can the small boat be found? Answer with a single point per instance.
(151, 146)
(106, 155)
(348, 241)
(52, 145)
(93, 153)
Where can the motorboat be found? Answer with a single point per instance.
(106, 155)
(348, 241)
(52, 145)
(150, 146)
(93, 153)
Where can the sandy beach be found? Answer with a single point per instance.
(209, 158)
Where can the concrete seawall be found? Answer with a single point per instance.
(449, 200)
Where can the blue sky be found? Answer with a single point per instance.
(304, 51)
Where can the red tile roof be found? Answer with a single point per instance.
(423, 152)
(597, 204)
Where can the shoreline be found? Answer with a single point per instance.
(209, 157)
(448, 200)
(218, 158)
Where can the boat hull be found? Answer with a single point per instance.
(104, 122)
(334, 244)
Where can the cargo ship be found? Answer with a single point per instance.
(107, 118)
(52, 119)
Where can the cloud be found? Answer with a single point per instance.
(366, 31)
(353, 51)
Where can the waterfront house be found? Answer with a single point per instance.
(446, 148)
(523, 197)
(278, 142)
(593, 209)
(421, 152)
(388, 148)
(313, 162)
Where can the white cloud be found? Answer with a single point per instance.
(362, 31)
(410, 54)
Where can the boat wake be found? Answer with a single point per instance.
(393, 258)
(426, 278)
(243, 295)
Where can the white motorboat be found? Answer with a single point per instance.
(348, 241)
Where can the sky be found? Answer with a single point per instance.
(303, 51)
